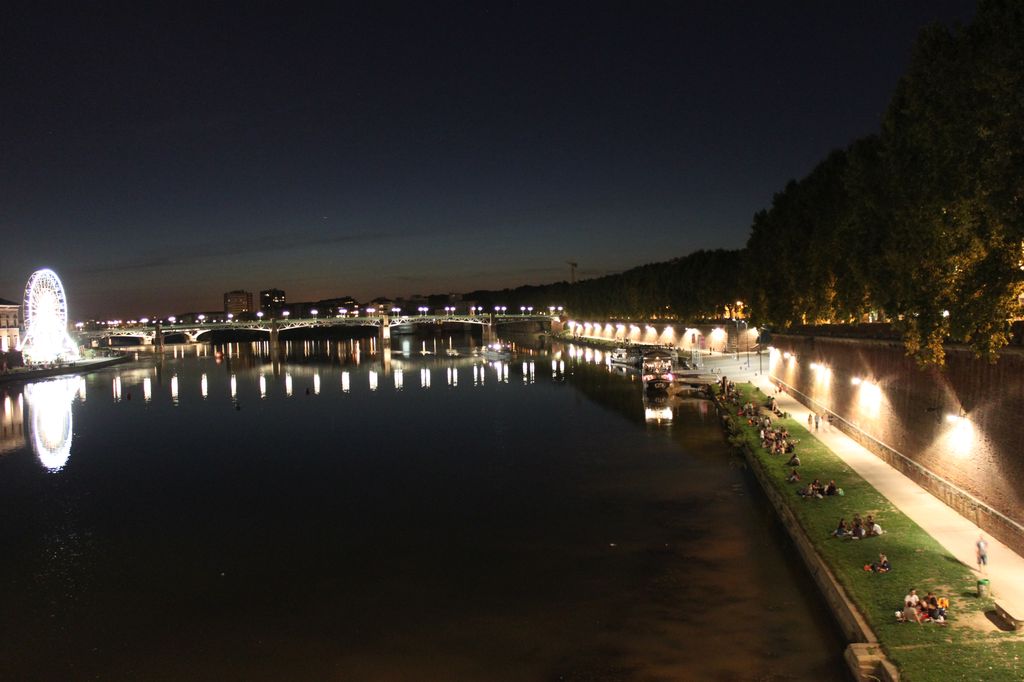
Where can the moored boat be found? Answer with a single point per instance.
(497, 351)
(626, 356)
(657, 372)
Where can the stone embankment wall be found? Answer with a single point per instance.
(957, 431)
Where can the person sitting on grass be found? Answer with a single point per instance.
(794, 461)
(910, 613)
(941, 607)
(793, 476)
(883, 565)
(874, 530)
(856, 529)
(841, 529)
(830, 489)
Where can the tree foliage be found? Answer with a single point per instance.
(921, 224)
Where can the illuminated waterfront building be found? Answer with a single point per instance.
(9, 322)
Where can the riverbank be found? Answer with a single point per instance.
(973, 645)
(79, 367)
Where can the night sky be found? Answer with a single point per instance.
(157, 158)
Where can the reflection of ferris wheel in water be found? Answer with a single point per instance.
(50, 420)
(46, 320)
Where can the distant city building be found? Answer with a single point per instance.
(237, 302)
(271, 299)
(10, 320)
(336, 306)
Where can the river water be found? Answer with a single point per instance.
(211, 513)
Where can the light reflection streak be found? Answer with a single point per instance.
(399, 376)
(174, 389)
(288, 384)
(50, 420)
(147, 389)
(234, 387)
(116, 388)
(263, 386)
(316, 383)
(373, 380)
(204, 386)
(345, 382)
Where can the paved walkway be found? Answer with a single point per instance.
(950, 529)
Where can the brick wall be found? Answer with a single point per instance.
(913, 418)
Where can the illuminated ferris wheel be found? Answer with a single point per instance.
(46, 320)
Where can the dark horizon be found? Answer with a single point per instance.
(159, 158)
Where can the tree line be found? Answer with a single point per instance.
(920, 224)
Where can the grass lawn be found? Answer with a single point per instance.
(970, 647)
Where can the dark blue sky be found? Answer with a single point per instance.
(159, 157)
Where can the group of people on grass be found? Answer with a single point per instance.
(815, 490)
(777, 440)
(931, 609)
(858, 528)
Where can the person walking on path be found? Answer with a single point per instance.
(817, 420)
(982, 552)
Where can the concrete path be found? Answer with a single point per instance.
(954, 532)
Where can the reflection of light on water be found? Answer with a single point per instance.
(174, 389)
(526, 373)
(399, 379)
(263, 386)
(561, 366)
(147, 389)
(373, 380)
(288, 384)
(81, 388)
(476, 375)
(234, 386)
(316, 383)
(116, 388)
(504, 372)
(424, 377)
(50, 427)
(658, 414)
(345, 382)
(204, 386)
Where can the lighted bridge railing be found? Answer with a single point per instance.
(194, 330)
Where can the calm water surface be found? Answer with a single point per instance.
(330, 516)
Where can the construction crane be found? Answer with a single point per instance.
(572, 271)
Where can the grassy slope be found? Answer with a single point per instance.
(965, 649)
